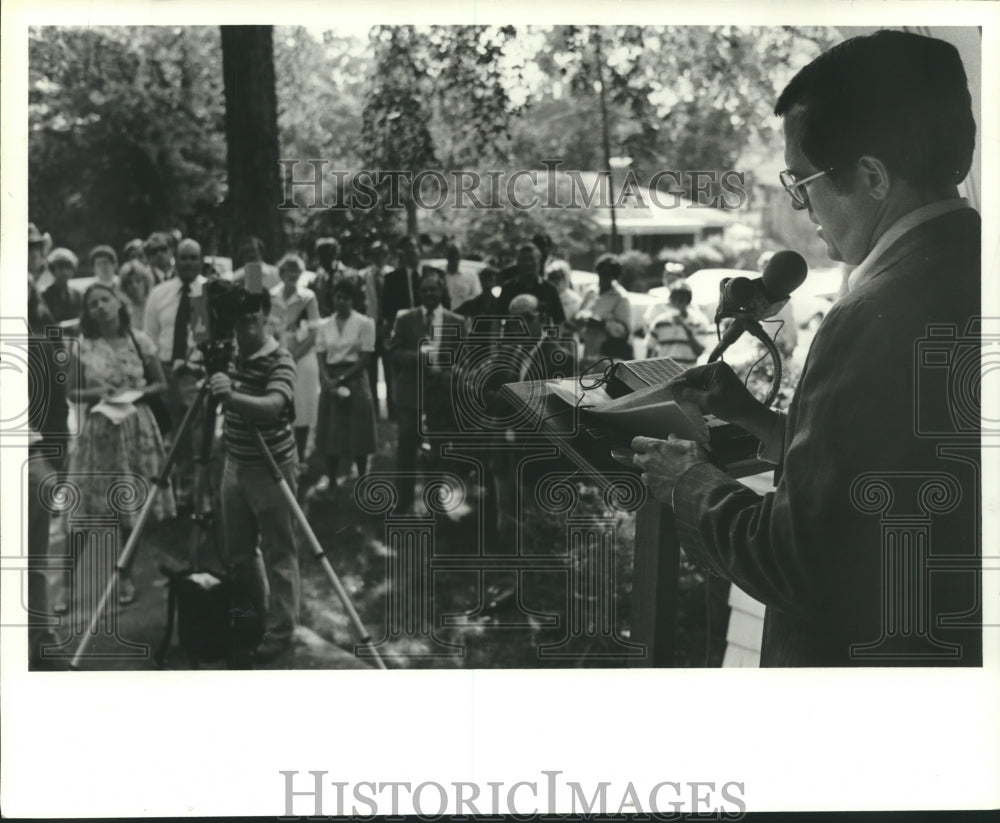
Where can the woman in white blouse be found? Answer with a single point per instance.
(345, 344)
(293, 320)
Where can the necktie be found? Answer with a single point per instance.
(428, 327)
(181, 324)
(409, 286)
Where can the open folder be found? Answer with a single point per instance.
(650, 412)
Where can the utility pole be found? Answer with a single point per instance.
(606, 137)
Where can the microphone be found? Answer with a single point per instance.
(764, 297)
(750, 301)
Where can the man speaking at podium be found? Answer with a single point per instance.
(878, 132)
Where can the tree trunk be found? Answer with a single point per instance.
(252, 137)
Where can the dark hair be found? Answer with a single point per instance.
(894, 95)
(608, 265)
(250, 301)
(161, 238)
(431, 275)
(88, 325)
(542, 242)
(346, 286)
(558, 272)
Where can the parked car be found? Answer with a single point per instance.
(809, 304)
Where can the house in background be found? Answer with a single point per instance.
(669, 221)
(645, 222)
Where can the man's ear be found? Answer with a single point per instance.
(874, 176)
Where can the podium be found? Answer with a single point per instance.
(657, 550)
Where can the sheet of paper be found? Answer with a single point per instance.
(126, 397)
(115, 412)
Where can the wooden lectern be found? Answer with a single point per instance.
(657, 550)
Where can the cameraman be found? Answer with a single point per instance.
(261, 392)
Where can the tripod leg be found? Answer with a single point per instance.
(318, 553)
(162, 481)
(203, 515)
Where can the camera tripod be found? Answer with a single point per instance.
(203, 517)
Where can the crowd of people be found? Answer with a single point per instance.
(317, 349)
(821, 550)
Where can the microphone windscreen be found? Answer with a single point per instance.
(741, 291)
(784, 273)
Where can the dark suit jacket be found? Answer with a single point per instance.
(64, 302)
(322, 285)
(547, 295)
(396, 297)
(876, 470)
(404, 354)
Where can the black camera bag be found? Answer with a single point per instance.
(215, 619)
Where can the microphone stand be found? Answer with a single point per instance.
(747, 323)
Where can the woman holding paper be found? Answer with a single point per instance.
(115, 370)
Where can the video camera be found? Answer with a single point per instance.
(216, 311)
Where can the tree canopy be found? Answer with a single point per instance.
(127, 124)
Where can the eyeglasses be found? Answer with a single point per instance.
(157, 249)
(794, 186)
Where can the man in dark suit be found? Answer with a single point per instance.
(64, 303)
(329, 272)
(524, 278)
(401, 291)
(878, 455)
(485, 304)
(424, 388)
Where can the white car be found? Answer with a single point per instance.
(809, 304)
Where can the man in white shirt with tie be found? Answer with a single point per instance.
(421, 389)
(168, 324)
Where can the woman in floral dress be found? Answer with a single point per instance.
(118, 437)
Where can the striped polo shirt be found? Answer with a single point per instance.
(269, 369)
